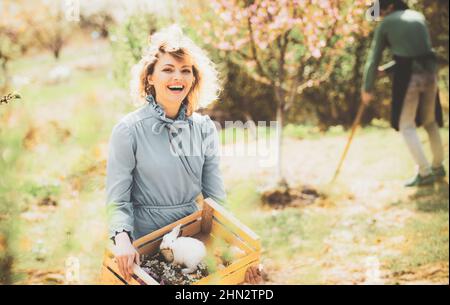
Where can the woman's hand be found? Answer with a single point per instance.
(125, 255)
(366, 97)
(253, 275)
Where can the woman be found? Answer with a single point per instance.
(163, 155)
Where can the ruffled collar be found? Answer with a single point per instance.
(161, 114)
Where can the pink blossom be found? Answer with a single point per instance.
(240, 42)
(224, 45)
(226, 16)
(316, 53)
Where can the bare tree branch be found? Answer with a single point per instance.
(254, 51)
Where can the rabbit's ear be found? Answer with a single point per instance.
(176, 231)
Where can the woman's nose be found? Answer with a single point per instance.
(177, 75)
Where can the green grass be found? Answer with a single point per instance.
(429, 244)
(291, 232)
(432, 200)
(79, 82)
(378, 159)
(293, 235)
(44, 61)
(311, 132)
(286, 234)
(232, 135)
(427, 231)
(238, 134)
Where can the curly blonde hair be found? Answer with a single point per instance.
(171, 40)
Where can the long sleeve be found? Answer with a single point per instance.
(119, 180)
(376, 51)
(212, 182)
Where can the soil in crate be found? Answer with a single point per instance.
(169, 274)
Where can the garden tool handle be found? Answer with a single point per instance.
(355, 125)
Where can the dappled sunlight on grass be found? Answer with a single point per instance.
(427, 245)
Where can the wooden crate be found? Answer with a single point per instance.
(211, 222)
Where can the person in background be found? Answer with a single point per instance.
(415, 98)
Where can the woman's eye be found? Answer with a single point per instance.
(186, 71)
(167, 70)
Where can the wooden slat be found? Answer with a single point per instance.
(144, 275)
(234, 278)
(150, 248)
(219, 231)
(108, 278)
(240, 263)
(207, 218)
(250, 259)
(166, 229)
(192, 228)
(234, 224)
(199, 201)
(237, 277)
(115, 274)
(108, 262)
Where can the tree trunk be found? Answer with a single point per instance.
(280, 180)
(356, 81)
(6, 264)
(251, 126)
(4, 72)
(56, 53)
(279, 173)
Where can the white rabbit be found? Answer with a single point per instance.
(186, 251)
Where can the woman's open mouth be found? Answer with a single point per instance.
(176, 89)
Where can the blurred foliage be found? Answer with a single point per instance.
(52, 32)
(15, 39)
(128, 41)
(9, 50)
(47, 23)
(9, 226)
(336, 100)
(101, 22)
(256, 99)
(243, 98)
(436, 12)
(27, 25)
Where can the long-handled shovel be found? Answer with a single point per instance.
(350, 138)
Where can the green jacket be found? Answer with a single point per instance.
(405, 32)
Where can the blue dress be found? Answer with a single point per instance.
(158, 166)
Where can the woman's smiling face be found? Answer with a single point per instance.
(172, 79)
